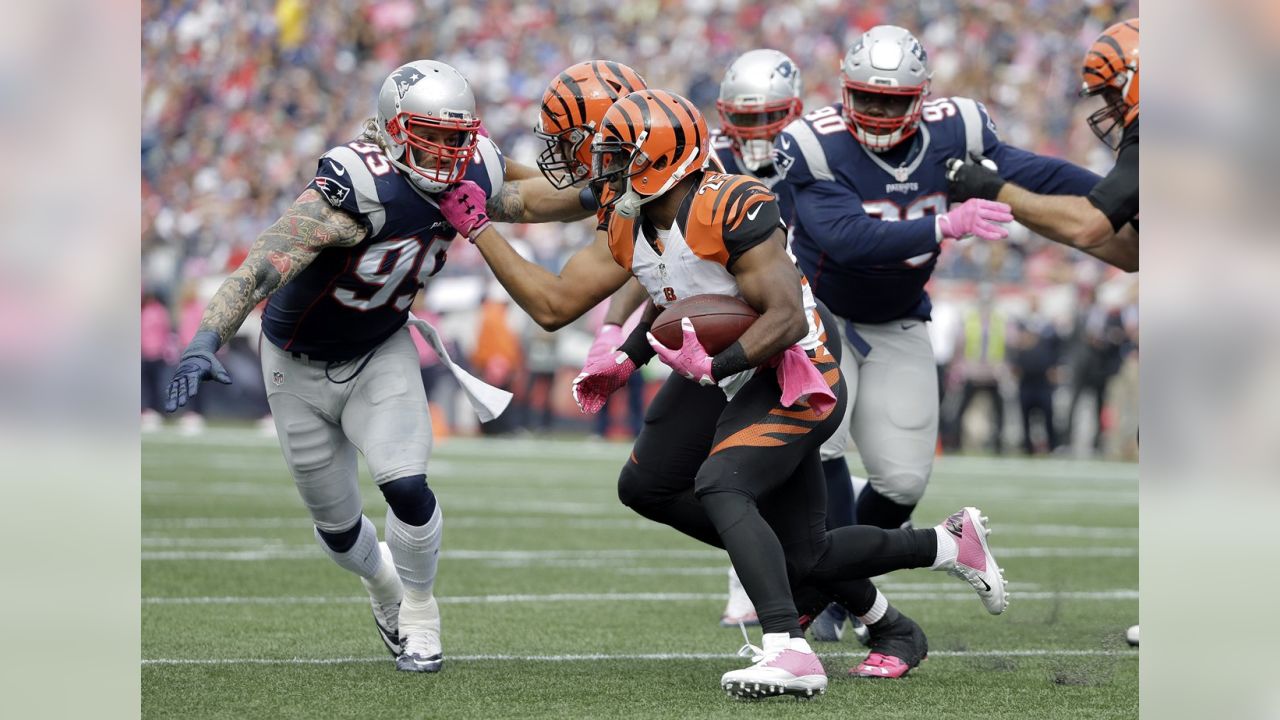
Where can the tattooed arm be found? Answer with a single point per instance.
(527, 197)
(310, 225)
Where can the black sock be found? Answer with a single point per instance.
(839, 493)
(878, 510)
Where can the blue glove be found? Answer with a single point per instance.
(196, 364)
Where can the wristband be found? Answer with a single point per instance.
(588, 199)
(636, 346)
(731, 361)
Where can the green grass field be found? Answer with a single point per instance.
(558, 602)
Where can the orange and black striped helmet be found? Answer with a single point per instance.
(652, 139)
(1111, 70)
(571, 111)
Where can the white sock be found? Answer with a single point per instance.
(363, 558)
(416, 550)
(877, 611)
(858, 484)
(384, 586)
(947, 549)
(800, 644)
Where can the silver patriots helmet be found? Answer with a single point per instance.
(886, 79)
(759, 95)
(427, 121)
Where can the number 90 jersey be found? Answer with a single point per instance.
(864, 228)
(348, 300)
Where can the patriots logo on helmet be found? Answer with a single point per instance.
(405, 78)
(333, 191)
(786, 69)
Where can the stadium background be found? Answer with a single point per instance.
(239, 99)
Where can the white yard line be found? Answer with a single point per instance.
(579, 557)
(457, 519)
(941, 595)
(596, 657)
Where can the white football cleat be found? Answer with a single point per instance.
(386, 615)
(784, 666)
(420, 634)
(739, 610)
(974, 562)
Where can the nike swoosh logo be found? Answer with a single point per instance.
(756, 211)
(786, 144)
(985, 586)
(907, 326)
(338, 169)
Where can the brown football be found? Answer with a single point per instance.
(719, 321)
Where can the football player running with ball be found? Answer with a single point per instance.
(730, 433)
(339, 271)
(759, 96)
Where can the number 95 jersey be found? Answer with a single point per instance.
(349, 300)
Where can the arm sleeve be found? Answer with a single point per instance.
(831, 213)
(1117, 195)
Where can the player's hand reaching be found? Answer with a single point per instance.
(463, 206)
(976, 177)
(197, 364)
(599, 378)
(976, 217)
(691, 360)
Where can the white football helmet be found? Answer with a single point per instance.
(886, 79)
(759, 95)
(427, 121)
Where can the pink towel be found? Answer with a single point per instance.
(800, 380)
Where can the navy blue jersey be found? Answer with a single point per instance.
(348, 300)
(722, 146)
(864, 229)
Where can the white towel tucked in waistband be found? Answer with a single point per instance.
(488, 401)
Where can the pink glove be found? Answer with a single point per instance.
(691, 360)
(976, 217)
(607, 340)
(599, 379)
(463, 208)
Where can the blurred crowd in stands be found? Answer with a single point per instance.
(240, 97)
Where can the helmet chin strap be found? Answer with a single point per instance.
(629, 204)
(419, 181)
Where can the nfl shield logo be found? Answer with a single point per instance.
(277, 378)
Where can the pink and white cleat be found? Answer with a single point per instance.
(784, 666)
(974, 562)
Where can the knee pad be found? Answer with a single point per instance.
(903, 488)
(343, 540)
(410, 499)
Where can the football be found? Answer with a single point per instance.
(719, 321)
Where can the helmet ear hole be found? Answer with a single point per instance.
(662, 163)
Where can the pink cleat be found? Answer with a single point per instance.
(880, 666)
(785, 666)
(897, 645)
(974, 562)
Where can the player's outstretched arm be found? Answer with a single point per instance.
(553, 301)
(282, 251)
(310, 225)
(527, 197)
